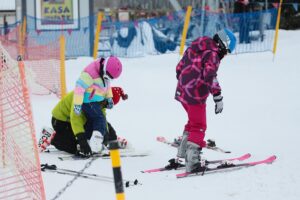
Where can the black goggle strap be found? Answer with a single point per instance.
(106, 74)
(222, 46)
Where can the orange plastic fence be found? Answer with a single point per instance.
(43, 61)
(20, 174)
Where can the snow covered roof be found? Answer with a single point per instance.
(7, 5)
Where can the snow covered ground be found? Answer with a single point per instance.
(261, 116)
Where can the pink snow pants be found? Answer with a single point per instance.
(196, 125)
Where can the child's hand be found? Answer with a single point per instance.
(219, 103)
(110, 103)
(77, 109)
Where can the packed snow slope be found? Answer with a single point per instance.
(261, 116)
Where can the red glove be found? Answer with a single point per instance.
(117, 93)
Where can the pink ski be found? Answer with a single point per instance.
(223, 167)
(241, 158)
(165, 141)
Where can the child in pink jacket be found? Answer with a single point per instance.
(93, 87)
(197, 78)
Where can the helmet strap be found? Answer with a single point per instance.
(222, 47)
(106, 75)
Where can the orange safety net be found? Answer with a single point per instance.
(20, 174)
(42, 60)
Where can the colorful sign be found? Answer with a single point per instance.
(57, 14)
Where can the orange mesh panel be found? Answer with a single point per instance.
(20, 174)
(42, 61)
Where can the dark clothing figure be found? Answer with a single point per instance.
(5, 26)
(65, 140)
(242, 7)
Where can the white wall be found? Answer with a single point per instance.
(7, 5)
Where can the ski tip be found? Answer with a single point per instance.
(272, 158)
(244, 157)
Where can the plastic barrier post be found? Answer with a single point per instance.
(63, 87)
(277, 28)
(185, 29)
(97, 34)
(116, 165)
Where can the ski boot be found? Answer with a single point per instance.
(174, 163)
(193, 161)
(211, 143)
(47, 136)
(96, 142)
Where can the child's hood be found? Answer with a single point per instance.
(93, 69)
(204, 43)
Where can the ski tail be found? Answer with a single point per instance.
(154, 170)
(162, 139)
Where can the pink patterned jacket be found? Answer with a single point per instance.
(197, 72)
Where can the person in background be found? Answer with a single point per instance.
(92, 88)
(5, 26)
(242, 7)
(197, 78)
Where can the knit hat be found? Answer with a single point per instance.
(117, 93)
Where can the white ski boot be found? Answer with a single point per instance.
(96, 142)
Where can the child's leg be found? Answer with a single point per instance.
(64, 139)
(111, 134)
(94, 114)
(88, 129)
(197, 123)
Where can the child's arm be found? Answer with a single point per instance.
(181, 64)
(211, 65)
(83, 83)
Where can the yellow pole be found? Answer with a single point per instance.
(28, 110)
(116, 165)
(277, 28)
(24, 28)
(185, 29)
(97, 34)
(23, 36)
(63, 87)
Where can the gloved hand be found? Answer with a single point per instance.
(83, 146)
(77, 109)
(110, 103)
(219, 103)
